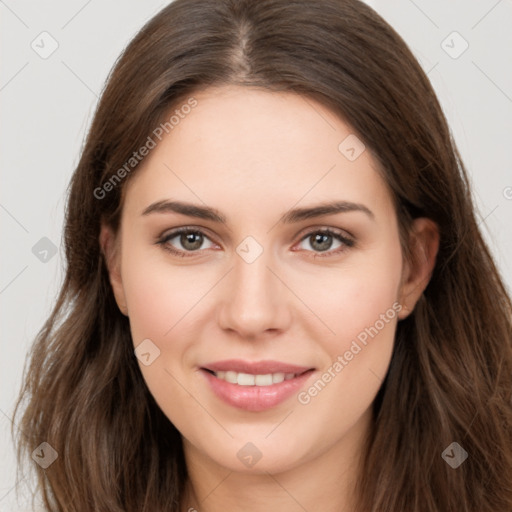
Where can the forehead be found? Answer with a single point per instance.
(246, 146)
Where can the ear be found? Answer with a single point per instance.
(110, 247)
(416, 274)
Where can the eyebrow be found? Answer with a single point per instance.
(290, 217)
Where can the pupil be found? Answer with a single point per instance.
(322, 239)
(187, 238)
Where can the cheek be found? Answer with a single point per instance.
(361, 307)
(151, 303)
(356, 296)
(160, 296)
(161, 300)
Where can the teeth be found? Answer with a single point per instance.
(263, 380)
(277, 378)
(247, 379)
(231, 377)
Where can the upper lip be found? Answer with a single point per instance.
(255, 367)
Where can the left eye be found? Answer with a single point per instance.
(322, 241)
(191, 240)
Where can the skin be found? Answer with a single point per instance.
(253, 155)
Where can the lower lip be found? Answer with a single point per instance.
(255, 398)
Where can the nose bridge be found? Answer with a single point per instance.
(253, 278)
(253, 297)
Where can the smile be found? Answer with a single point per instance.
(254, 392)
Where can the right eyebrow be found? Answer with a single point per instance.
(189, 209)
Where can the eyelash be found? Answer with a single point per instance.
(346, 241)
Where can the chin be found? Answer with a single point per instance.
(257, 458)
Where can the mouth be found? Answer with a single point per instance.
(251, 390)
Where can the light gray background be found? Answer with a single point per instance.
(47, 105)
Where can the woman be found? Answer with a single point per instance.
(277, 295)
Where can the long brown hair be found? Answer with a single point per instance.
(450, 377)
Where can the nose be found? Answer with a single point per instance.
(254, 298)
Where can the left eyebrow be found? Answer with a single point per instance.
(330, 208)
(295, 215)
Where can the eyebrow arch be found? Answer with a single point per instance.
(295, 215)
(328, 208)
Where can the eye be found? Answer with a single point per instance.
(321, 240)
(191, 240)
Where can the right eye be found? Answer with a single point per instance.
(190, 239)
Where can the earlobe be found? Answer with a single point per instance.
(424, 246)
(109, 245)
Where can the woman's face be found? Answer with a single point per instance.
(259, 279)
